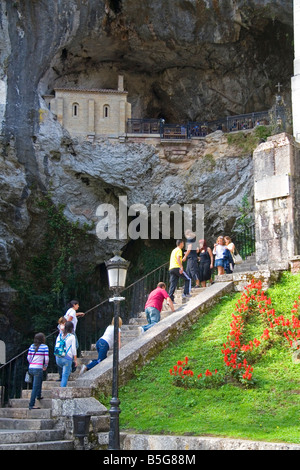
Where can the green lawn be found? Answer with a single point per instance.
(151, 403)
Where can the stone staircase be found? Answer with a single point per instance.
(249, 264)
(131, 331)
(24, 429)
(47, 429)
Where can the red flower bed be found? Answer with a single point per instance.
(238, 357)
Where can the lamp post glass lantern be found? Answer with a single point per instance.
(116, 270)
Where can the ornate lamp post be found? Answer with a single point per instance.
(117, 270)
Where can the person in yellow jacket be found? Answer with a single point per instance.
(176, 271)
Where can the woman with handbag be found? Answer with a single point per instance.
(38, 358)
(229, 255)
(229, 244)
(237, 259)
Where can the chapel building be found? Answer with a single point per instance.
(88, 114)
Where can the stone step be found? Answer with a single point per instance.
(131, 328)
(26, 436)
(49, 385)
(25, 413)
(138, 321)
(65, 392)
(26, 393)
(245, 267)
(23, 403)
(52, 377)
(248, 264)
(48, 445)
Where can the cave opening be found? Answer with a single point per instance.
(115, 5)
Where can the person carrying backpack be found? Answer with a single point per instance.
(65, 352)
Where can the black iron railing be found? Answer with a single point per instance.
(12, 373)
(175, 131)
(144, 126)
(245, 241)
(92, 325)
(197, 128)
(88, 330)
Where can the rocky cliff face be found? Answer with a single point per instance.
(181, 60)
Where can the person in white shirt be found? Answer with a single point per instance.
(219, 249)
(72, 314)
(103, 345)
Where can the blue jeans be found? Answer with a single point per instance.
(66, 365)
(153, 317)
(102, 348)
(36, 392)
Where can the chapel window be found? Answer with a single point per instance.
(75, 109)
(106, 111)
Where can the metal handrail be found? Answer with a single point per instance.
(197, 128)
(245, 241)
(88, 330)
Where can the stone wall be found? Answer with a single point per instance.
(242, 279)
(276, 193)
(188, 443)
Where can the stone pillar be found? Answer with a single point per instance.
(60, 110)
(296, 77)
(277, 197)
(122, 123)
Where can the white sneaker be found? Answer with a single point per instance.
(83, 370)
(141, 330)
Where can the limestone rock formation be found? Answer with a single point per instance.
(181, 60)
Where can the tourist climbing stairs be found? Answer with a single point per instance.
(38, 429)
(132, 330)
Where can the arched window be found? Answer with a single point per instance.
(75, 109)
(106, 111)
